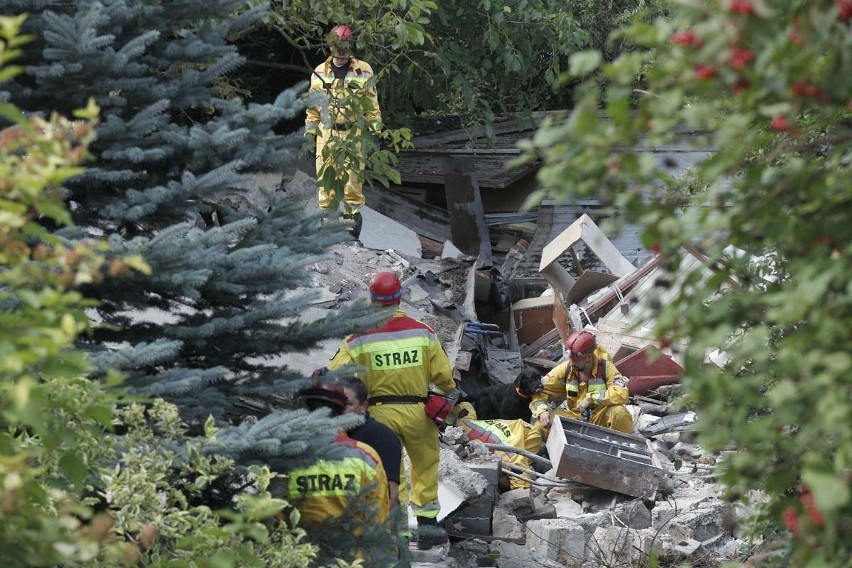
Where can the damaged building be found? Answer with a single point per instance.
(503, 288)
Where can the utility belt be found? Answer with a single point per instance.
(436, 406)
(396, 399)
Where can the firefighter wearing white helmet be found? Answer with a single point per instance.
(349, 86)
(590, 384)
(398, 361)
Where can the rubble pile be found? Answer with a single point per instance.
(589, 496)
(563, 522)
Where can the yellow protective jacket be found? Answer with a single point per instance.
(325, 489)
(399, 358)
(357, 82)
(606, 387)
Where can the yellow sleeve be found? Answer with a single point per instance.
(616, 387)
(376, 482)
(554, 387)
(342, 358)
(312, 114)
(375, 112)
(380, 493)
(441, 369)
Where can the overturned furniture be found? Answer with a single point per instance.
(604, 458)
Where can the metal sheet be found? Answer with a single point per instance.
(604, 458)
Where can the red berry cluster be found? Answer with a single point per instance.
(807, 499)
(780, 123)
(806, 90)
(686, 38)
(741, 7)
(740, 57)
(791, 514)
(844, 9)
(791, 520)
(705, 72)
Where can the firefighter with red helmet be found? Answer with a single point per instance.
(325, 488)
(349, 87)
(398, 361)
(590, 384)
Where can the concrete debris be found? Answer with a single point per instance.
(605, 498)
(676, 423)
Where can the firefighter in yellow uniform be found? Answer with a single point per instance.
(350, 93)
(327, 487)
(590, 383)
(397, 362)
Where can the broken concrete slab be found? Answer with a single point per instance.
(634, 514)
(451, 251)
(673, 423)
(615, 546)
(686, 547)
(505, 524)
(559, 540)
(457, 483)
(567, 508)
(378, 231)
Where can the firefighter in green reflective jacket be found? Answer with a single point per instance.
(398, 361)
(590, 383)
(348, 84)
(327, 487)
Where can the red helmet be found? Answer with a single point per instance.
(325, 395)
(385, 288)
(342, 33)
(580, 343)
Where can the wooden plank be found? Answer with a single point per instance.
(466, 151)
(415, 167)
(545, 340)
(586, 230)
(464, 205)
(462, 135)
(540, 363)
(623, 285)
(424, 219)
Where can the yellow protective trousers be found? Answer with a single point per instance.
(353, 174)
(419, 435)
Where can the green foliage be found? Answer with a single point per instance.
(48, 414)
(72, 493)
(767, 85)
(152, 496)
(476, 58)
(398, 27)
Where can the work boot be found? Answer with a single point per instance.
(429, 534)
(354, 222)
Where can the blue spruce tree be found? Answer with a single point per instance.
(172, 152)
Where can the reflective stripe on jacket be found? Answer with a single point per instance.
(357, 81)
(399, 358)
(325, 488)
(606, 386)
